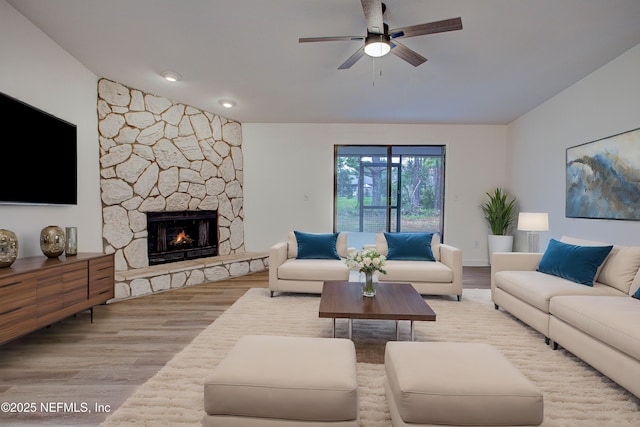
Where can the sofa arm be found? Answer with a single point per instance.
(505, 261)
(452, 258)
(277, 256)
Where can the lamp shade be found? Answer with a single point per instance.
(533, 221)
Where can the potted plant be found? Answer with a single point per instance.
(498, 212)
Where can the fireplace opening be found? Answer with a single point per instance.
(183, 235)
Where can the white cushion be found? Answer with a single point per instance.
(416, 271)
(313, 269)
(538, 288)
(619, 268)
(612, 320)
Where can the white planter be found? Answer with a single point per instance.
(499, 244)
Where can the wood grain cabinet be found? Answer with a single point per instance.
(38, 291)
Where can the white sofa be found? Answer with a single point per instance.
(440, 277)
(289, 274)
(600, 323)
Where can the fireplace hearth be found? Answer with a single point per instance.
(183, 235)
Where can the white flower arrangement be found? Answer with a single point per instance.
(366, 261)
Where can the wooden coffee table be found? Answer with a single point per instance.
(393, 301)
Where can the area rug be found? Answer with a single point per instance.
(575, 395)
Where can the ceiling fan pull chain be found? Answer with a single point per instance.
(373, 72)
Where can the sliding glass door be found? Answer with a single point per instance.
(388, 188)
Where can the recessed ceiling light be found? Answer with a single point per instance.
(171, 76)
(227, 103)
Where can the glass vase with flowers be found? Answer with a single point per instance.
(367, 261)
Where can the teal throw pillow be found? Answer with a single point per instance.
(317, 245)
(637, 294)
(409, 246)
(576, 263)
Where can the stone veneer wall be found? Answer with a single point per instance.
(158, 155)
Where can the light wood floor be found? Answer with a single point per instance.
(75, 363)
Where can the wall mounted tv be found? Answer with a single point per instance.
(39, 156)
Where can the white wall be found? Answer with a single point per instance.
(37, 71)
(288, 177)
(605, 103)
(283, 163)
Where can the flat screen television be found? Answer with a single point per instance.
(39, 163)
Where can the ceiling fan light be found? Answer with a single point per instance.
(377, 45)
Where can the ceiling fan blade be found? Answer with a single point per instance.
(352, 59)
(329, 39)
(409, 55)
(452, 24)
(373, 14)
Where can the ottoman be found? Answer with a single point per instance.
(462, 384)
(284, 381)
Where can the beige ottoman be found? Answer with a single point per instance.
(284, 381)
(461, 384)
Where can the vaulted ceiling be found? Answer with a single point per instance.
(510, 56)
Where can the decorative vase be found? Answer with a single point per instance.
(8, 247)
(368, 288)
(71, 245)
(52, 241)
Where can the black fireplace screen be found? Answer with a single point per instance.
(177, 236)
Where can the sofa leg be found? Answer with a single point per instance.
(459, 298)
(554, 345)
(496, 306)
(547, 340)
(271, 294)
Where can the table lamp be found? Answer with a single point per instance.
(531, 222)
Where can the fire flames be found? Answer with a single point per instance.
(181, 239)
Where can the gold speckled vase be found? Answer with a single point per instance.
(8, 247)
(52, 241)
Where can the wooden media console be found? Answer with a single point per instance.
(38, 291)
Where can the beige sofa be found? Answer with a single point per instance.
(599, 323)
(440, 277)
(289, 274)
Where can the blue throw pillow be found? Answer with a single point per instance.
(317, 245)
(576, 263)
(409, 246)
(637, 294)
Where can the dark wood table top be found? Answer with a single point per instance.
(393, 301)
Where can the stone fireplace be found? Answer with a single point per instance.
(159, 157)
(183, 235)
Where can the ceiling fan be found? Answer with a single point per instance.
(380, 40)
